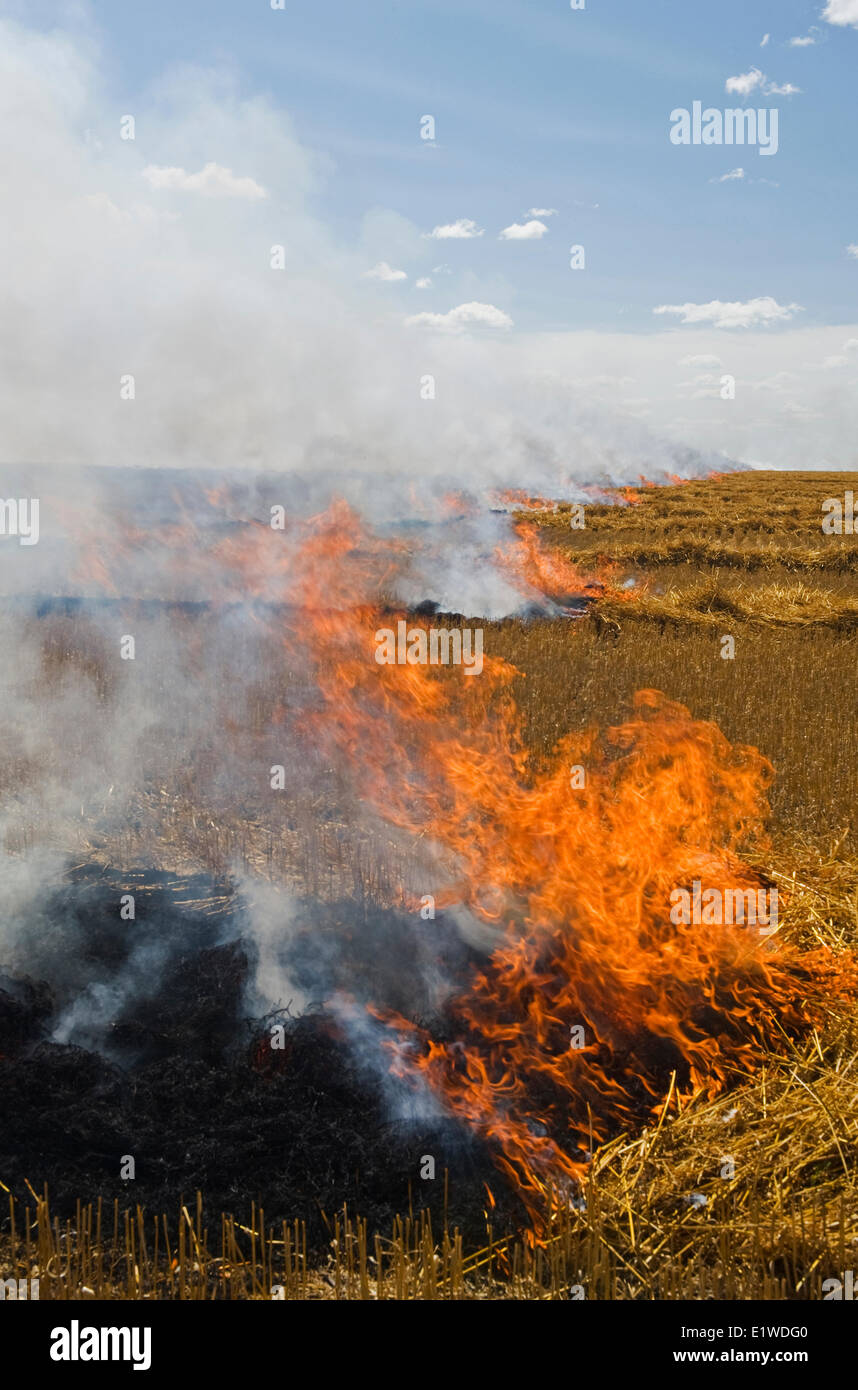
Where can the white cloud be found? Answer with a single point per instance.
(850, 345)
(841, 12)
(740, 176)
(852, 250)
(458, 319)
(383, 271)
(748, 82)
(212, 181)
(732, 314)
(765, 40)
(745, 83)
(424, 283)
(807, 42)
(524, 231)
(541, 212)
(462, 230)
(801, 412)
(701, 359)
(837, 359)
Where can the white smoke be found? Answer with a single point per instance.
(148, 258)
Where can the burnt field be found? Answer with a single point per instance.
(282, 924)
(180, 1077)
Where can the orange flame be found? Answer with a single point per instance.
(576, 875)
(532, 564)
(525, 501)
(594, 1005)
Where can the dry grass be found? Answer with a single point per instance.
(712, 603)
(758, 520)
(790, 601)
(745, 1198)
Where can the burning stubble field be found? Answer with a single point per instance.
(366, 980)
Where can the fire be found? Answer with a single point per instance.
(629, 495)
(594, 1003)
(545, 571)
(458, 504)
(525, 501)
(595, 1006)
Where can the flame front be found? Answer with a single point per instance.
(593, 1005)
(575, 874)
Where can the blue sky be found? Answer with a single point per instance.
(257, 126)
(538, 105)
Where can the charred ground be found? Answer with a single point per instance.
(185, 1079)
